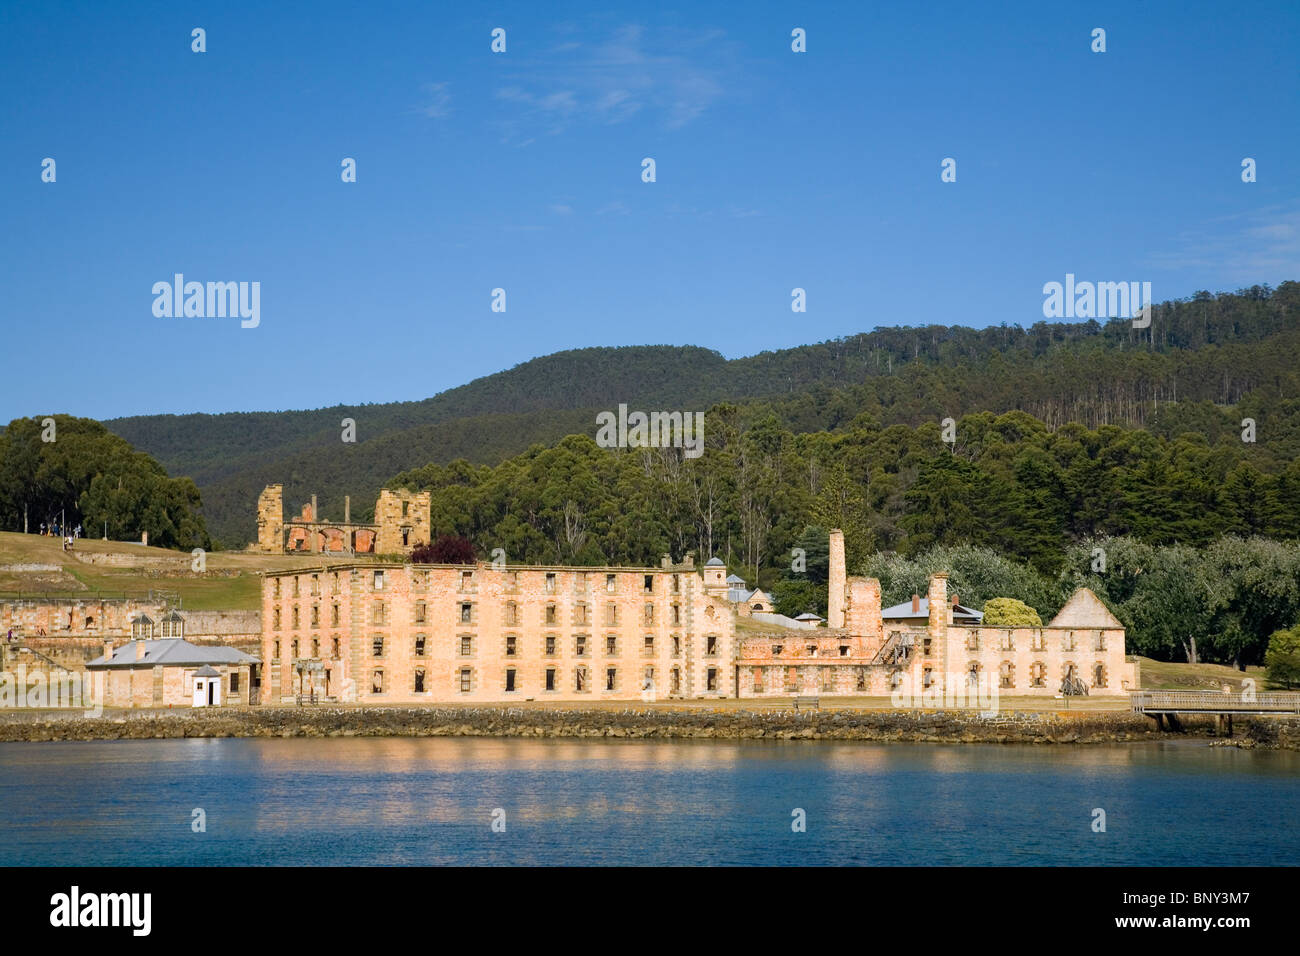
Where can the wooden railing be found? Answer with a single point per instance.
(1213, 702)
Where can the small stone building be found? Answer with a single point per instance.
(172, 672)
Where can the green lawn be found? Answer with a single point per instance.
(1160, 675)
(231, 581)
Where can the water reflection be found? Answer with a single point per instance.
(431, 800)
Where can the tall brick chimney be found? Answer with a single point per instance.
(940, 617)
(837, 581)
(139, 650)
(916, 603)
(108, 650)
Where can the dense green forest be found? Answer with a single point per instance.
(75, 471)
(1008, 483)
(1228, 349)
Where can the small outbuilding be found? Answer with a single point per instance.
(175, 673)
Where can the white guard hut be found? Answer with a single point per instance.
(207, 687)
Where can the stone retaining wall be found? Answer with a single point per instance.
(1014, 727)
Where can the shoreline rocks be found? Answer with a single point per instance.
(630, 724)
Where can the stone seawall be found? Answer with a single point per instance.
(654, 723)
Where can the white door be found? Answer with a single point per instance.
(200, 692)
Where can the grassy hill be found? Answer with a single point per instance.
(33, 564)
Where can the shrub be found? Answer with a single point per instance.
(448, 549)
(1283, 657)
(1008, 612)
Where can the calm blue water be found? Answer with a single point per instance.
(430, 801)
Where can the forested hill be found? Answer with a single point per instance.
(1228, 349)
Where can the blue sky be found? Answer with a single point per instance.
(522, 170)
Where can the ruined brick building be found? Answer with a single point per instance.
(424, 633)
(402, 520)
(390, 633)
(935, 647)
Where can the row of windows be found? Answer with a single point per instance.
(296, 588)
(1037, 643)
(512, 646)
(295, 647)
(582, 581)
(314, 617)
(1037, 674)
(582, 679)
(420, 579)
(788, 679)
(420, 614)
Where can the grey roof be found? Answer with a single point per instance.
(740, 595)
(904, 612)
(807, 616)
(715, 563)
(172, 652)
(735, 579)
(769, 617)
(207, 671)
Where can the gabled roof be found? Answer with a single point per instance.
(741, 595)
(207, 671)
(171, 652)
(1084, 609)
(903, 612)
(735, 579)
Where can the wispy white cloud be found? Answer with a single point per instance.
(1244, 247)
(670, 78)
(438, 100)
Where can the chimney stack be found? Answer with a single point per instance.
(916, 603)
(108, 650)
(666, 561)
(837, 581)
(315, 515)
(347, 509)
(954, 600)
(139, 650)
